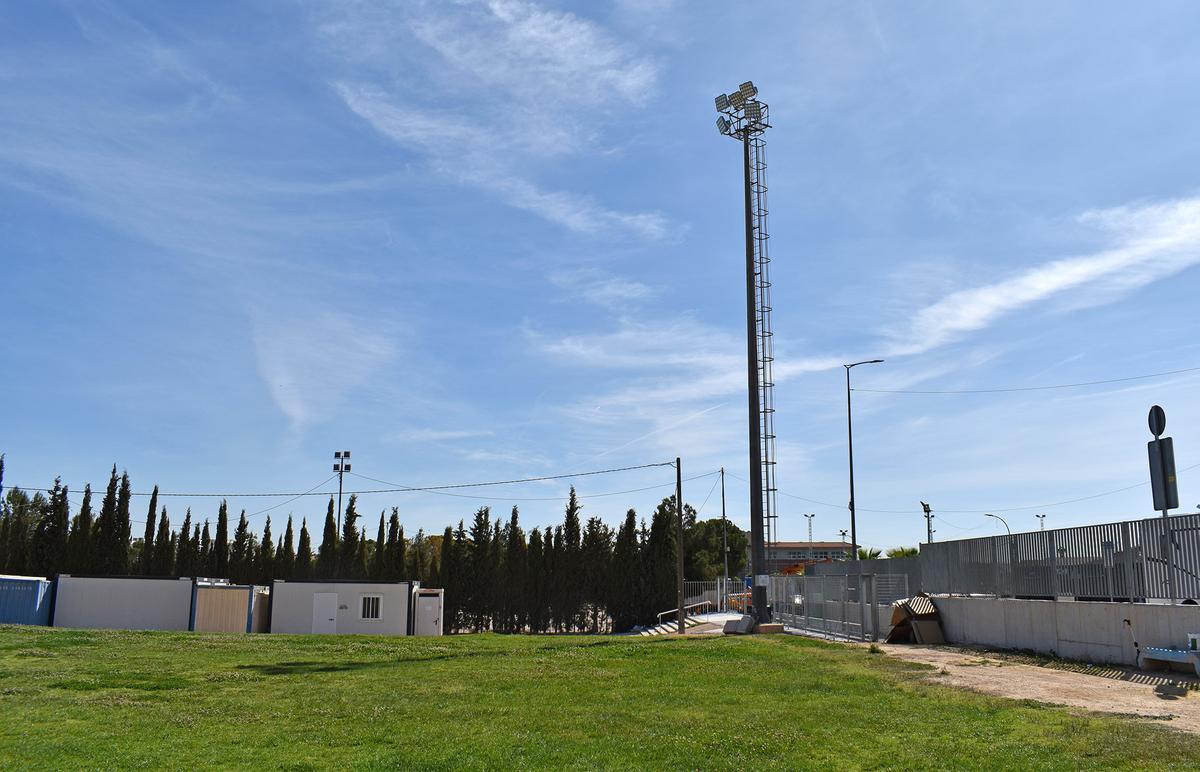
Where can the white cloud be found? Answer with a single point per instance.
(1150, 242)
(600, 288)
(312, 363)
(423, 435)
(464, 105)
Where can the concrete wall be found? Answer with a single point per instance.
(292, 606)
(1086, 631)
(123, 603)
(222, 609)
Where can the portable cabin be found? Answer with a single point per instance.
(221, 607)
(123, 602)
(427, 611)
(342, 606)
(25, 600)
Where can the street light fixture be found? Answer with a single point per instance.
(1041, 522)
(850, 445)
(1001, 519)
(341, 465)
(809, 517)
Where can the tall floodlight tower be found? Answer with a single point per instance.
(745, 118)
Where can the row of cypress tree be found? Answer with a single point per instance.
(577, 576)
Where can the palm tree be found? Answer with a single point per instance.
(865, 553)
(903, 552)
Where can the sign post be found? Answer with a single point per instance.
(1165, 491)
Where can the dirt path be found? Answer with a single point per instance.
(1170, 697)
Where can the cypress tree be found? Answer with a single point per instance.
(659, 567)
(148, 538)
(163, 559)
(20, 514)
(480, 580)
(287, 557)
(266, 555)
(79, 541)
(327, 557)
(394, 558)
(51, 532)
(361, 565)
(625, 578)
(194, 551)
(572, 577)
(595, 562)
(183, 548)
(220, 547)
(106, 537)
(241, 554)
(349, 547)
(378, 558)
(205, 557)
(304, 556)
(121, 530)
(515, 568)
(417, 565)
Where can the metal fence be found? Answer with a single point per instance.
(723, 594)
(1137, 560)
(855, 607)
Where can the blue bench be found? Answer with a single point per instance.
(1159, 656)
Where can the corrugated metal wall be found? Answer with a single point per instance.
(24, 600)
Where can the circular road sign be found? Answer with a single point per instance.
(1157, 420)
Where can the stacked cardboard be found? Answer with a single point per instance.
(915, 620)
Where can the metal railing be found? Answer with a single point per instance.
(1136, 560)
(687, 610)
(856, 607)
(718, 591)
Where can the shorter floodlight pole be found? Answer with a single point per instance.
(724, 547)
(341, 466)
(679, 546)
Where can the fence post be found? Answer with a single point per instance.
(1054, 593)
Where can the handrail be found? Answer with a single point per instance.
(685, 609)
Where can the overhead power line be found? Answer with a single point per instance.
(408, 489)
(401, 489)
(1030, 388)
(973, 511)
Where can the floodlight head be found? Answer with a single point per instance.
(722, 102)
(925, 507)
(736, 100)
(753, 111)
(348, 467)
(337, 467)
(747, 89)
(723, 125)
(337, 454)
(345, 454)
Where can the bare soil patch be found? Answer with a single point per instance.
(1170, 697)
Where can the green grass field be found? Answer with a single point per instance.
(71, 699)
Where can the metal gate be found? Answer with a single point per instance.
(856, 607)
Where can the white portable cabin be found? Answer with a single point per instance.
(427, 611)
(123, 602)
(342, 606)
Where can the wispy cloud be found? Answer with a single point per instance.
(1149, 242)
(464, 104)
(425, 435)
(601, 288)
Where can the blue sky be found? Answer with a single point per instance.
(476, 241)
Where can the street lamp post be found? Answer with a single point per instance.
(809, 517)
(341, 465)
(850, 446)
(1041, 522)
(1001, 519)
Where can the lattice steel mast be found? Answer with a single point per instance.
(745, 118)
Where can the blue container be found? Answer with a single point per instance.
(25, 600)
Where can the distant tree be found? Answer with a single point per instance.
(659, 566)
(535, 584)
(454, 578)
(220, 548)
(703, 540)
(625, 578)
(79, 541)
(183, 548)
(162, 560)
(572, 577)
(241, 553)
(362, 564)
(121, 530)
(515, 569)
(903, 552)
(379, 555)
(21, 513)
(418, 563)
(205, 555)
(327, 558)
(266, 555)
(480, 580)
(865, 553)
(287, 553)
(395, 557)
(348, 568)
(304, 556)
(595, 562)
(51, 532)
(107, 539)
(194, 552)
(146, 567)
